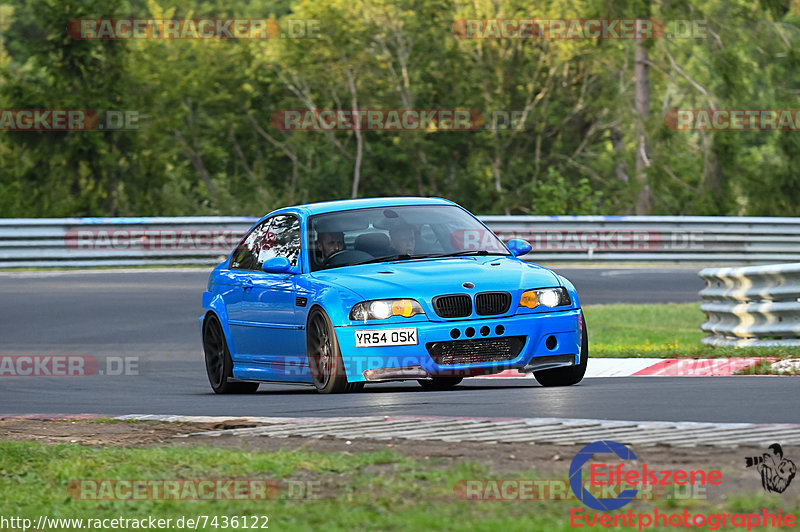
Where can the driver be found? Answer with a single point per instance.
(330, 242)
(403, 239)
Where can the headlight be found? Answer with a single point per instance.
(548, 297)
(385, 308)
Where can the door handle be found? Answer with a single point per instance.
(247, 284)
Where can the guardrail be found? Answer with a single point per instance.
(76, 242)
(204, 240)
(697, 239)
(754, 306)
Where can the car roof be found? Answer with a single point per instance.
(310, 209)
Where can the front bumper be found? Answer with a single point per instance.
(545, 335)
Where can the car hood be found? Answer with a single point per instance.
(431, 277)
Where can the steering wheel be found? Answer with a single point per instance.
(335, 254)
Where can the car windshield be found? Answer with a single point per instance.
(397, 233)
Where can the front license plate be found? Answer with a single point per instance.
(386, 337)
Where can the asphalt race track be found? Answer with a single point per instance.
(181, 389)
(152, 315)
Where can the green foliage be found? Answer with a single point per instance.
(206, 143)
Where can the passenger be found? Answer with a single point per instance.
(403, 239)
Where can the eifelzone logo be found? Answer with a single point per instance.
(576, 475)
(624, 475)
(776, 471)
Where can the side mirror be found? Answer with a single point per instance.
(276, 265)
(519, 247)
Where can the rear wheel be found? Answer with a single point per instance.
(440, 383)
(324, 357)
(569, 375)
(219, 365)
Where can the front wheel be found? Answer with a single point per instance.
(324, 358)
(219, 365)
(569, 375)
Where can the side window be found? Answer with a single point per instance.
(278, 236)
(246, 255)
(282, 239)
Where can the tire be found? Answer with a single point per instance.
(219, 365)
(324, 357)
(569, 375)
(440, 383)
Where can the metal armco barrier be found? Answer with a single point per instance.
(756, 305)
(75, 242)
(65, 242)
(698, 239)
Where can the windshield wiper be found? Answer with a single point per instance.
(480, 252)
(387, 259)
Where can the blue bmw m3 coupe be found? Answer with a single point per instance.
(344, 293)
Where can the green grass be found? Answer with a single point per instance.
(362, 491)
(671, 330)
(765, 368)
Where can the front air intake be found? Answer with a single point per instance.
(476, 351)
